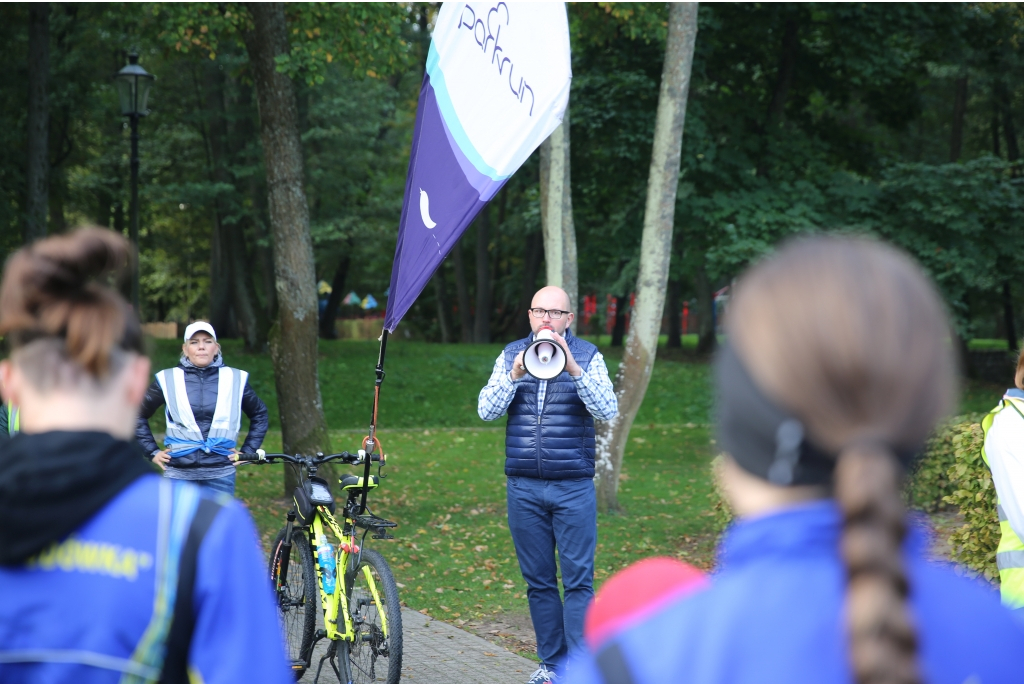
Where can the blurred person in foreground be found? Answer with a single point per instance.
(1004, 455)
(204, 401)
(109, 572)
(838, 366)
(549, 469)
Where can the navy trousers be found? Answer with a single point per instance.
(544, 515)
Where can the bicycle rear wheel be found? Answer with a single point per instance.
(375, 657)
(298, 600)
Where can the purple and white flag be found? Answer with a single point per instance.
(496, 86)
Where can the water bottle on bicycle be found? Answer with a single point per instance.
(328, 564)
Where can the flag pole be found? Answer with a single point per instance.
(370, 442)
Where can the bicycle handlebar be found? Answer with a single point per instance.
(261, 457)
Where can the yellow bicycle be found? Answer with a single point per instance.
(358, 598)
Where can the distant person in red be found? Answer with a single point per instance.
(838, 365)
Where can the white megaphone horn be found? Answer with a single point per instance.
(544, 359)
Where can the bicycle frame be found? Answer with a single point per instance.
(331, 603)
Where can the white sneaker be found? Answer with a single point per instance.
(542, 676)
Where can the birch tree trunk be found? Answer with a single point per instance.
(293, 337)
(634, 372)
(556, 213)
(38, 171)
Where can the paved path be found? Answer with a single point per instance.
(437, 652)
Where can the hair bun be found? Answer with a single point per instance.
(55, 288)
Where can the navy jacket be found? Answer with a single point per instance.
(774, 613)
(557, 443)
(201, 385)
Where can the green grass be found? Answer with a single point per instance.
(988, 344)
(453, 552)
(435, 386)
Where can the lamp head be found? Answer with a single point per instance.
(133, 84)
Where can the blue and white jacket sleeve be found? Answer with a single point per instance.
(498, 393)
(237, 634)
(596, 390)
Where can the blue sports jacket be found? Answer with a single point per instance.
(557, 443)
(89, 598)
(774, 613)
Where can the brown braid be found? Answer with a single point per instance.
(883, 645)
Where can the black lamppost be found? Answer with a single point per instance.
(133, 84)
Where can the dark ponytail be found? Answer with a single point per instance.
(58, 289)
(851, 338)
(883, 643)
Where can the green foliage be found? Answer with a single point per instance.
(928, 484)
(366, 36)
(974, 544)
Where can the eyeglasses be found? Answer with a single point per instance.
(553, 313)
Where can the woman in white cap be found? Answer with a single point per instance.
(204, 402)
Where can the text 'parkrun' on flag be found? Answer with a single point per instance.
(496, 86)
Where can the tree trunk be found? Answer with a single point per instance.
(634, 372)
(1011, 328)
(462, 291)
(1009, 129)
(482, 320)
(221, 276)
(220, 279)
(293, 337)
(556, 213)
(38, 172)
(706, 338)
(619, 329)
(995, 131)
(252, 320)
(956, 139)
(675, 319)
(444, 307)
(327, 327)
(534, 249)
(783, 83)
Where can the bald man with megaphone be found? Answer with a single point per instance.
(553, 386)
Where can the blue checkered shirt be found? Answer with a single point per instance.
(593, 386)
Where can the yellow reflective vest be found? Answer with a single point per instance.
(13, 420)
(1010, 552)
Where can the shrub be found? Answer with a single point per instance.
(928, 484)
(974, 544)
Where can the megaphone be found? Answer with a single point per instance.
(544, 358)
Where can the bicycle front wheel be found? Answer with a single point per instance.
(375, 656)
(297, 599)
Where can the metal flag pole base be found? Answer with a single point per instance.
(370, 442)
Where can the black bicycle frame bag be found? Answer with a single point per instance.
(307, 497)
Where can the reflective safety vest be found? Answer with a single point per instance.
(1010, 552)
(183, 434)
(13, 420)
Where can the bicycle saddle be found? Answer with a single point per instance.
(352, 482)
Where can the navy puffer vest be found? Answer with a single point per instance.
(558, 443)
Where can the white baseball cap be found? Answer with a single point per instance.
(197, 326)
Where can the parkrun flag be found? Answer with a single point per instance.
(496, 86)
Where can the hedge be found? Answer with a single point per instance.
(928, 484)
(974, 544)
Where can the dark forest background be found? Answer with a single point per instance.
(898, 120)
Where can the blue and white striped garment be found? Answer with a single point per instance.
(593, 386)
